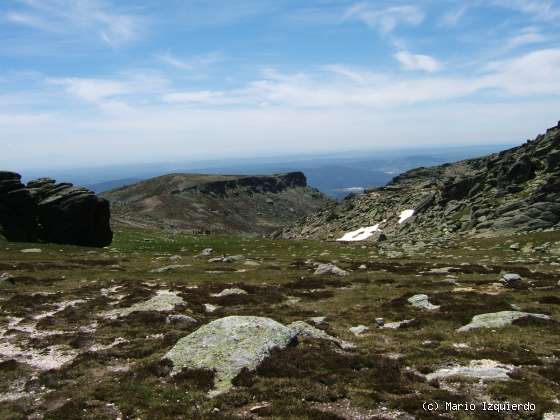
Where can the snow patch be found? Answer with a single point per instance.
(405, 215)
(361, 234)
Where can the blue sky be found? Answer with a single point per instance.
(106, 81)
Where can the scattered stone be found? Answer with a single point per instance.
(398, 324)
(485, 370)
(31, 251)
(318, 320)
(380, 322)
(512, 280)
(175, 258)
(330, 269)
(303, 329)
(169, 268)
(229, 292)
(6, 278)
(209, 308)
(422, 302)
(206, 252)
(251, 263)
(234, 258)
(362, 267)
(551, 416)
(359, 330)
(163, 301)
(515, 247)
(180, 320)
(500, 319)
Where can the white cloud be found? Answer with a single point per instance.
(527, 36)
(535, 73)
(79, 16)
(192, 63)
(387, 19)
(422, 62)
(546, 10)
(204, 97)
(453, 17)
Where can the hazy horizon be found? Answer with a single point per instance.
(101, 82)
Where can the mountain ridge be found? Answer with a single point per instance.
(225, 204)
(511, 191)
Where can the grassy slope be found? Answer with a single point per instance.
(307, 381)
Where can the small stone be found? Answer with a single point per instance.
(209, 308)
(359, 330)
(182, 320)
(31, 251)
(206, 252)
(330, 269)
(422, 302)
(362, 267)
(168, 268)
(229, 292)
(380, 321)
(478, 369)
(512, 280)
(318, 320)
(398, 324)
(515, 247)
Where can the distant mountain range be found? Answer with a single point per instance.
(333, 174)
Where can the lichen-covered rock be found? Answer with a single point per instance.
(478, 369)
(500, 319)
(163, 301)
(422, 302)
(229, 345)
(330, 269)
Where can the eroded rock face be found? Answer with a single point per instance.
(229, 345)
(46, 211)
(70, 215)
(17, 210)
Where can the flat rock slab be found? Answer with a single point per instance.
(499, 319)
(484, 370)
(229, 345)
(229, 292)
(169, 268)
(163, 301)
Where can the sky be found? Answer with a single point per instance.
(86, 82)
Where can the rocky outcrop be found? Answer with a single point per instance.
(517, 190)
(17, 210)
(46, 211)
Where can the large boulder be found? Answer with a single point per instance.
(70, 215)
(500, 320)
(228, 345)
(17, 210)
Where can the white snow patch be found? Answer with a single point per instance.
(405, 215)
(361, 234)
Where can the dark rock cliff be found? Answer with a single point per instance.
(46, 211)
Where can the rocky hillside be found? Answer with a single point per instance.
(217, 204)
(50, 212)
(517, 190)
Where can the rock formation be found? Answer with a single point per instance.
(47, 211)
